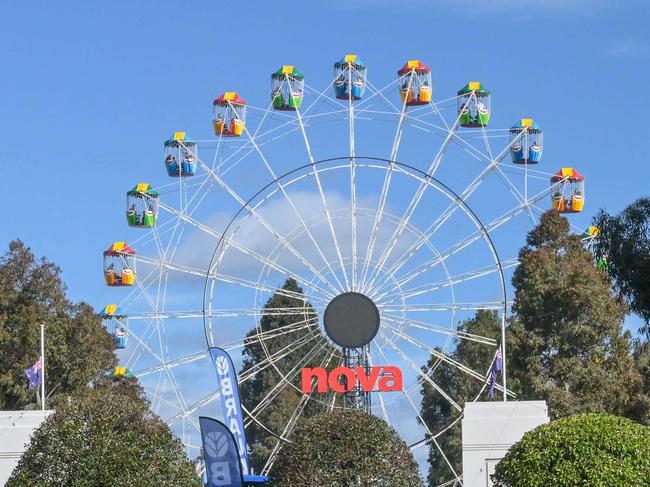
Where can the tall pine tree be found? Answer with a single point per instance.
(288, 342)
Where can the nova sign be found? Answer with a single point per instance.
(344, 379)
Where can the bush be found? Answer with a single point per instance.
(106, 436)
(346, 448)
(580, 450)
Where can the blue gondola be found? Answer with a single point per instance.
(180, 155)
(526, 142)
(349, 78)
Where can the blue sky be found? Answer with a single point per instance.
(91, 89)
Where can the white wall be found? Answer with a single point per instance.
(490, 429)
(15, 429)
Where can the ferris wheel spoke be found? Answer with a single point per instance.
(293, 420)
(442, 218)
(438, 354)
(323, 201)
(432, 128)
(523, 198)
(258, 367)
(436, 109)
(415, 200)
(137, 351)
(321, 95)
(160, 399)
(380, 93)
(186, 359)
(258, 312)
(168, 374)
(270, 334)
(283, 383)
(204, 401)
(289, 125)
(191, 409)
(430, 433)
(353, 180)
(241, 247)
(460, 245)
(228, 279)
(487, 305)
(419, 371)
(432, 436)
(388, 297)
(298, 215)
(285, 379)
(148, 298)
(279, 388)
(438, 329)
(266, 225)
(384, 192)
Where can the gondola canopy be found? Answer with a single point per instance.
(229, 112)
(414, 79)
(142, 206)
(474, 105)
(287, 87)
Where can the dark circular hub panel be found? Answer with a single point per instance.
(351, 320)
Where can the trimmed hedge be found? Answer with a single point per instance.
(581, 450)
(346, 448)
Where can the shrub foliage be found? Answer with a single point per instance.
(346, 448)
(581, 450)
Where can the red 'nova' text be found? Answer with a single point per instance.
(344, 379)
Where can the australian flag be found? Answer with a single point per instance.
(35, 374)
(497, 367)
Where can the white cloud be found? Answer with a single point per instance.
(627, 48)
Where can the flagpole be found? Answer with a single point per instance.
(503, 357)
(43, 367)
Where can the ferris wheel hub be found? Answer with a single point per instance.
(351, 320)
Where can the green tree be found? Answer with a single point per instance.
(625, 240)
(566, 343)
(107, 436)
(642, 359)
(437, 412)
(78, 349)
(346, 448)
(275, 406)
(588, 450)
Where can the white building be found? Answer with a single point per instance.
(490, 429)
(16, 427)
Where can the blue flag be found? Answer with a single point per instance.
(220, 454)
(34, 374)
(230, 405)
(497, 367)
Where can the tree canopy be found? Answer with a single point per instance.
(585, 449)
(566, 342)
(77, 348)
(106, 436)
(346, 448)
(625, 240)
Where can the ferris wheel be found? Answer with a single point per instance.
(354, 225)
